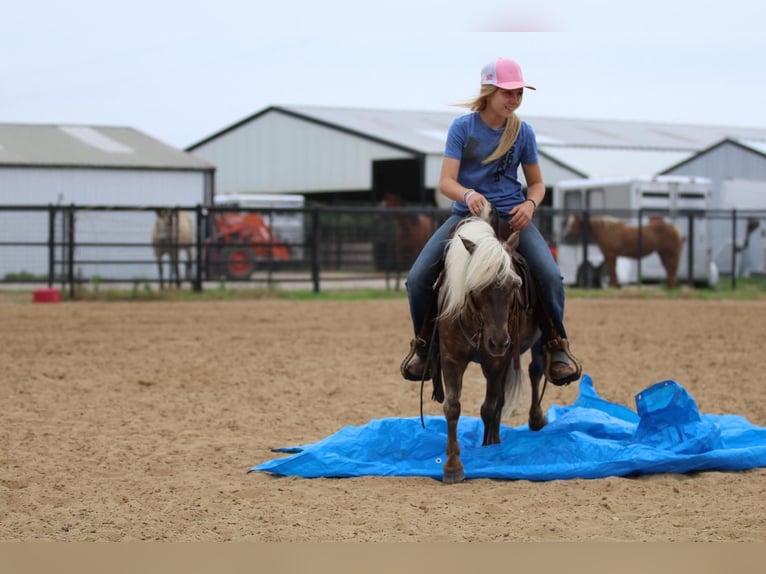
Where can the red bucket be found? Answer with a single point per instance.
(51, 295)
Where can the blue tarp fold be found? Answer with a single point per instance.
(592, 438)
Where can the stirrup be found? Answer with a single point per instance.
(415, 345)
(559, 344)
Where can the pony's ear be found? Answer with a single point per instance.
(513, 241)
(487, 213)
(469, 245)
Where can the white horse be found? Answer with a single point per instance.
(172, 232)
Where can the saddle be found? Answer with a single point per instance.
(523, 310)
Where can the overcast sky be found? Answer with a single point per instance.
(181, 70)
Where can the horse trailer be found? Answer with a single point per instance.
(741, 250)
(680, 200)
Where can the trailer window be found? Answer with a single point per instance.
(655, 194)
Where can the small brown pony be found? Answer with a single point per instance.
(172, 232)
(616, 238)
(486, 315)
(412, 232)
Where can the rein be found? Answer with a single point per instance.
(475, 340)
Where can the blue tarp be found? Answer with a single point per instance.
(591, 438)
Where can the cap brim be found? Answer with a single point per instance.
(514, 86)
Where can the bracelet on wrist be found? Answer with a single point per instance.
(467, 195)
(533, 202)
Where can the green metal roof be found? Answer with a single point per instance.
(98, 147)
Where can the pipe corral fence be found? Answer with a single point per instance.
(314, 248)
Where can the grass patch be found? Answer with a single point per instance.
(228, 294)
(746, 289)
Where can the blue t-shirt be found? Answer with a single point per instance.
(470, 140)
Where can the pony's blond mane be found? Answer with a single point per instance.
(465, 272)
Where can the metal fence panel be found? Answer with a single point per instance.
(312, 247)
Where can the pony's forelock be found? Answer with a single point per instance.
(465, 272)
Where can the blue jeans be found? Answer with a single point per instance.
(532, 246)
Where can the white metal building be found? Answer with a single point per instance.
(44, 165)
(326, 151)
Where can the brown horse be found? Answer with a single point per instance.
(616, 239)
(412, 232)
(173, 232)
(486, 316)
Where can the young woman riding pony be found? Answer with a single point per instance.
(483, 153)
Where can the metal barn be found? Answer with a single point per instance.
(62, 165)
(354, 154)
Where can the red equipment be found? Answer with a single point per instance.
(240, 242)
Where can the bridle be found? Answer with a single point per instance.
(475, 339)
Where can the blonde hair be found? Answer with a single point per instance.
(512, 126)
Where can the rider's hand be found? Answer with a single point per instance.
(475, 202)
(521, 215)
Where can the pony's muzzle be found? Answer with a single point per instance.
(498, 345)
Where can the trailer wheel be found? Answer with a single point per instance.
(238, 263)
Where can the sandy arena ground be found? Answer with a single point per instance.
(139, 421)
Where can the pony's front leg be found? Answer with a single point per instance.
(159, 270)
(174, 271)
(610, 261)
(495, 372)
(453, 384)
(537, 418)
(670, 263)
(188, 265)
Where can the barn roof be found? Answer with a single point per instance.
(593, 147)
(37, 145)
(755, 146)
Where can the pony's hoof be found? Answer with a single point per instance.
(536, 424)
(453, 477)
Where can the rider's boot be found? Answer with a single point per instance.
(416, 365)
(561, 366)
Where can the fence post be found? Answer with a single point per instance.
(733, 249)
(197, 286)
(587, 274)
(690, 252)
(51, 243)
(315, 238)
(639, 267)
(70, 250)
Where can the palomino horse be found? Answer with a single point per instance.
(412, 232)
(616, 239)
(487, 315)
(172, 232)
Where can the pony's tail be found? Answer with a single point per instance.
(514, 384)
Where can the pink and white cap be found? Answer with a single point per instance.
(505, 74)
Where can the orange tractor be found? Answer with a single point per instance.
(240, 242)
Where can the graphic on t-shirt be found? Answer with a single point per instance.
(504, 163)
(470, 149)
